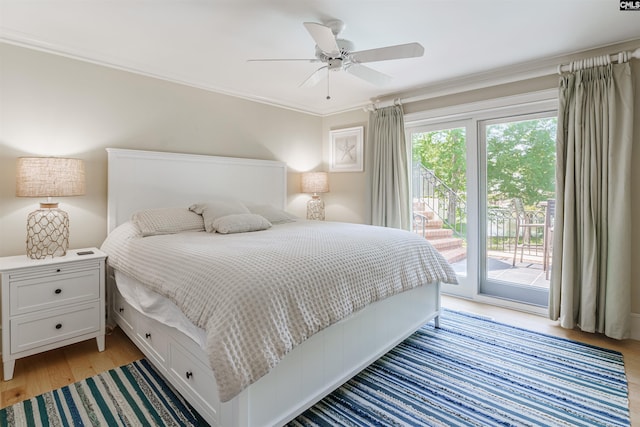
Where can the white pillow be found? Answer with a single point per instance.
(211, 211)
(153, 222)
(272, 214)
(240, 223)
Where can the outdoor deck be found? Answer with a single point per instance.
(504, 223)
(529, 272)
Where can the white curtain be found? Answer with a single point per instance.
(389, 168)
(591, 274)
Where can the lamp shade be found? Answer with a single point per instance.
(49, 177)
(315, 182)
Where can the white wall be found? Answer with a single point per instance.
(51, 105)
(347, 200)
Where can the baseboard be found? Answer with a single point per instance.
(635, 317)
(635, 326)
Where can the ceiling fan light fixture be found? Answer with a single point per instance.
(335, 63)
(339, 54)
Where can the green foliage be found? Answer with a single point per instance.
(521, 160)
(444, 152)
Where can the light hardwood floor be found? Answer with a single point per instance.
(40, 373)
(53, 369)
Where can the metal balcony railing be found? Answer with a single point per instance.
(436, 196)
(439, 198)
(501, 230)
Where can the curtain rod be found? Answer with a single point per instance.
(546, 69)
(614, 57)
(381, 104)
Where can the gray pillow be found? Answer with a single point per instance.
(240, 223)
(211, 211)
(272, 214)
(153, 222)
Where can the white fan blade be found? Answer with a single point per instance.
(314, 78)
(409, 50)
(369, 74)
(284, 60)
(324, 38)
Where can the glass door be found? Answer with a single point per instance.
(439, 191)
(517, 170)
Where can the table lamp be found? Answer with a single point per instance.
(48, 227)
(315, 182)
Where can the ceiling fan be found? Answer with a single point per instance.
(338, 54)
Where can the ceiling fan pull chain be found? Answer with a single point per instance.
(328, 75)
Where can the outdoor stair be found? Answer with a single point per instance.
(445, 243)
(441, 239)
(455, 254)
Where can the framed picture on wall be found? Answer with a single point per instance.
(345, 150)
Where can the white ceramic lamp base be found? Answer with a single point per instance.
(47, 232)
(315, 208)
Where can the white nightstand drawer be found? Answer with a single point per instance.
(41, 293)
(53, 269)
(36, 330)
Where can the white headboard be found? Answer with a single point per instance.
(150, 179)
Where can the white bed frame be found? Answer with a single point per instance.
(143, 179)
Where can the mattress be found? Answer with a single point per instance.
(259, 294)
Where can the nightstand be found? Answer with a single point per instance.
(50, 303)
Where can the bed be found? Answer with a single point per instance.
(188, 346)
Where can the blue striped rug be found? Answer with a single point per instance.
(477, 372)
(470, 372)
(131, 395)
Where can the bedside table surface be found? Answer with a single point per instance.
(22, 261)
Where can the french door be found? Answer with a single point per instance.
(487, 178)
(440, 207)
(517, 177)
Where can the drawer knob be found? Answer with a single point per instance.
(121, 309)
(147, 335)
(58, 291)
(58, 270)
(59, 326)
(189, 374)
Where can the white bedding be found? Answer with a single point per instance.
(259, 294)
(158, 307)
